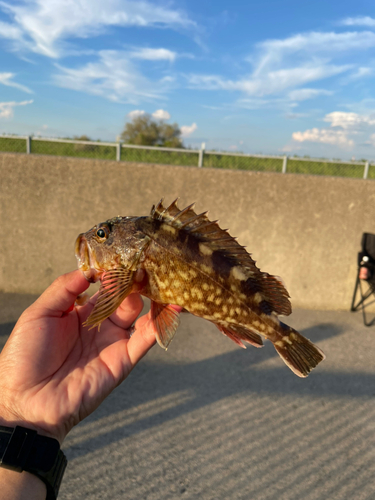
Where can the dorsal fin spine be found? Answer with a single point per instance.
(192, 219)
(182, 212)
(206, 224)
(173, 204)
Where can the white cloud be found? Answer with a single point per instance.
(113, 76)
(304, 94)
(362, 72)
(273, 82)
(42, 26)
(6, 79)
(136, 113)
(288, 148)
(154, 54)
(187, 130)
(372, 140)
(325, 136)
(348, 120)
(7, 108)
(359, 21)
(295, 116)
(344, 126)
(161, 114)
(283, 65)
(306, 45)
(42, 130)
(9, 31)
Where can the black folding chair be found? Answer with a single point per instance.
(365, 282)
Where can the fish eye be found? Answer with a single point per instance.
(101, 233)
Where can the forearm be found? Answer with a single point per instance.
(21, 486)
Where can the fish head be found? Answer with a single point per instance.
(108, 245)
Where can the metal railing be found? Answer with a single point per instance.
(187, 157)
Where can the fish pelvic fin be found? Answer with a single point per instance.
(297, 352)
(238, 333)
(116, 285)
(166, 321)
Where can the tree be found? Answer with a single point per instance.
(83, 147)
(144, 131)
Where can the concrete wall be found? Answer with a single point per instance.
(306, 229)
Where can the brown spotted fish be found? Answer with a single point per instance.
(176, 257)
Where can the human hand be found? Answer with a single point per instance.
(54, 372)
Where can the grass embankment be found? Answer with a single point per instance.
(211, 160)
(99, 152)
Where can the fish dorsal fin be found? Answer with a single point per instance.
(204, 230)
(272, 289)
(276, 294)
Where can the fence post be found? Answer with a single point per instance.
(118, 151)
(201, 153)
(285, 162)
(28, 145)
(365, 173)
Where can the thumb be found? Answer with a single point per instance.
(61, 294)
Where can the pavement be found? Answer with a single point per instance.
(209, 420)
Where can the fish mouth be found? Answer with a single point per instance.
(87, 262)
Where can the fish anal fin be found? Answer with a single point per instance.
(166, 321)
(116, 285)
(237, 333)
(297, 352)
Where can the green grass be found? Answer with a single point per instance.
(325, 168)
(75, 150)
(242, 163)
(162, 157)
(211, 160)
(12, 145)
(99, 152)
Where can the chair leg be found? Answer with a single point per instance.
(354, 307)
(361, 302)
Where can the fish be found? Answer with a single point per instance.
(180, 258)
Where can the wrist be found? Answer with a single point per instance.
(24, 486)
(24, 450)
(10, 419)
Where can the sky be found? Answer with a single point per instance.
(271, 77)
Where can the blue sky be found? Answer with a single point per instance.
(271, 77)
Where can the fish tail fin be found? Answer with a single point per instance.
(297, 352)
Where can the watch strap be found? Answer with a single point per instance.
(24, 449)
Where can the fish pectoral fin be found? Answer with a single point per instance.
(238, 333)
(166, 321)
(116, 285)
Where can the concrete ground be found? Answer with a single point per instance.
(208, 420)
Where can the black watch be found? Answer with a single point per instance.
(24, 449)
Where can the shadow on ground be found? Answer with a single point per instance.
(208, 420)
